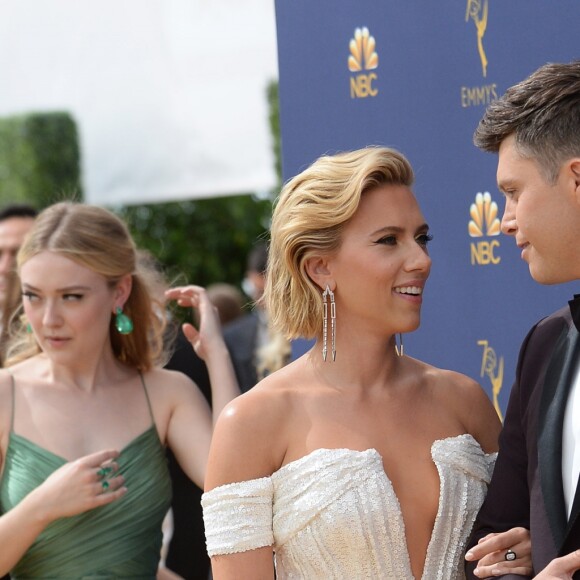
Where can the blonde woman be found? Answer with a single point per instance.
(356, 460)
(85, 410)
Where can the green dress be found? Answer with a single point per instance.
(119, 540)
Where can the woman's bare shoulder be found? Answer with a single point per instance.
(267, 404)
(449, 382)
(468, 401)
(253, 431)
(168, 382)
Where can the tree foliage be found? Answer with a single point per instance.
(39, 158)
(201, 241)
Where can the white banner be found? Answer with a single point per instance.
(169, 95)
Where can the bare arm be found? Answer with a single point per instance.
(74, 488)
(189, 430)
(248, 444)
(253, 565)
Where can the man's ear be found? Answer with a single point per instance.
(317, 268)
(575, 168)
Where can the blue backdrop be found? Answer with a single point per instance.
(417, 76)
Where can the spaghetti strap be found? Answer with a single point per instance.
(13, 389)
(147, 397)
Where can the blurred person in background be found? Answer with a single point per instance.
(15, 222)
(256, 349)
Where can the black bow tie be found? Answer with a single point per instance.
(575, 310)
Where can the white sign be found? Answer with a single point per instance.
(169, 96)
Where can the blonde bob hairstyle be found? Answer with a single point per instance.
(308, 220)
(97, 239)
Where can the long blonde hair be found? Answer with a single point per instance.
(97, 239)
(308, 220)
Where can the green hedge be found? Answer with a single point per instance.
(39, 159)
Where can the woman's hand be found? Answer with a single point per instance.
(209, 332)
(504, 553)
(79, 486)
(208, 343)
(74, 488)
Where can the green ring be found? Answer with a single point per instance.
(104, 471)
(105, 485)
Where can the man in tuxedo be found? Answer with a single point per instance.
(535, 129)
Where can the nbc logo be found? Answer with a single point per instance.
(363, 57)
(484, 222)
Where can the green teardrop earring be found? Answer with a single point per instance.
(123, 323)
(28, 328)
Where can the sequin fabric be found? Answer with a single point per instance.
(333, 514)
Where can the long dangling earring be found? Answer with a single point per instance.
(327, 295)
(123, 323)
(400, 350)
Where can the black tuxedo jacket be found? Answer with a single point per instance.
(241, 338)
(526, 488)
(186, 554)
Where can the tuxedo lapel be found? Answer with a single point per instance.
(551, 419)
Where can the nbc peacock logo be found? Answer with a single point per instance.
(484, 223)
(484, 216)
(363, 57)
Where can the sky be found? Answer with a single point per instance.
(169, 96)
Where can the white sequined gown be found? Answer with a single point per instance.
(333, 514)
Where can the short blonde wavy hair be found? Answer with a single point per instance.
(309, 216)
(99, 240)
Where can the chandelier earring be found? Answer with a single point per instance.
(399, 349)
(328, 300)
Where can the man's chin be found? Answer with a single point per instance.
(549, 278)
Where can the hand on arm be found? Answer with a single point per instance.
(562, 568)
(74, 488)
(490, 554)
(208, 343)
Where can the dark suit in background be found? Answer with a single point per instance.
(187, 554)
(241, 337)
(526, 489)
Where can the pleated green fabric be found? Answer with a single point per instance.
(119, 540)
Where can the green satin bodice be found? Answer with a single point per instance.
(119, 540)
